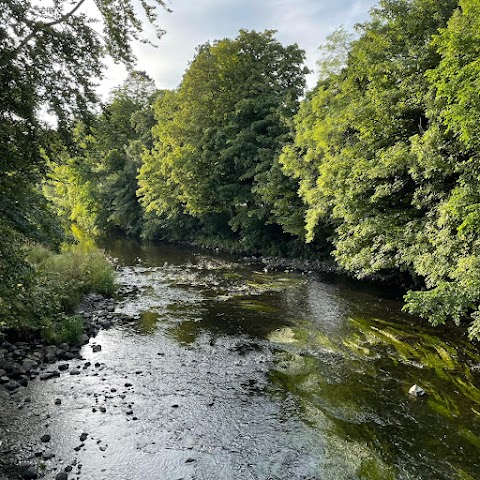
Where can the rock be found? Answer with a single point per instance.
(49, 374)
(83, 339)
(11, 385)
(4, 379)
(105, 324)
(30, 473)
(83, 437)
(50, 357)
(128, 384)
(75, 371)
(48, 455)
(17, 370)
(79, 447)
(416, 391)
(58, 401)
(23, 381)
(103, 409)
(68, 355)
(45, 438)
(190, 460)
(63, 366)
(61, 476)
(29, 365)
(96, 348)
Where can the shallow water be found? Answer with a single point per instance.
(238, 373)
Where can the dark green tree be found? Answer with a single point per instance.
(219, 135)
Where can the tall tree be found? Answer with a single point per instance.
(220, 133)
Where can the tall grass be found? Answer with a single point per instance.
(73, 273)
(58, 284)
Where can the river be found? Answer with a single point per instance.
(234, 372)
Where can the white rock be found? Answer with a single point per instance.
(416, 391)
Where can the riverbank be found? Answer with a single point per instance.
(22, 361)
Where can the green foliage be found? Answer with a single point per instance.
(72, 273)
(386, 153)
(218, 136)
(54, 286)
(94, 185)
(50, 60)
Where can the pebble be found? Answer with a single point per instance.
(45, 438)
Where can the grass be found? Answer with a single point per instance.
(58, 283)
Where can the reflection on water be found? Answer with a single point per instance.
(244, 374)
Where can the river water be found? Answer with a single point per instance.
(233, 372)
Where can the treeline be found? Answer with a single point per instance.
(377, 166)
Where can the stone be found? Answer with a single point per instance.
(75, 371)
(23, 381)
(96, 348)
(58, 401)
(11, 385)
(416, 391)
(30, 473)
(45, 438)
(50, 357)
(61, 476)
(49, 374)
(83, 339)
(83, 437)
(48, 455)
(63, 366)
(29, 365)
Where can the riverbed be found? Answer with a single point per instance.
(232, 371)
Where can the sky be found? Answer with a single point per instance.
(194, 22)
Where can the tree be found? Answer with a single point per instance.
(218, 136)
(94, 186)
(50, 58)
(450, 261)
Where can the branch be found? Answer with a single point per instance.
(40, 25)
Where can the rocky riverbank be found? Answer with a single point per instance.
(21, 361)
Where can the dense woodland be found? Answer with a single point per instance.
(377, 167)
